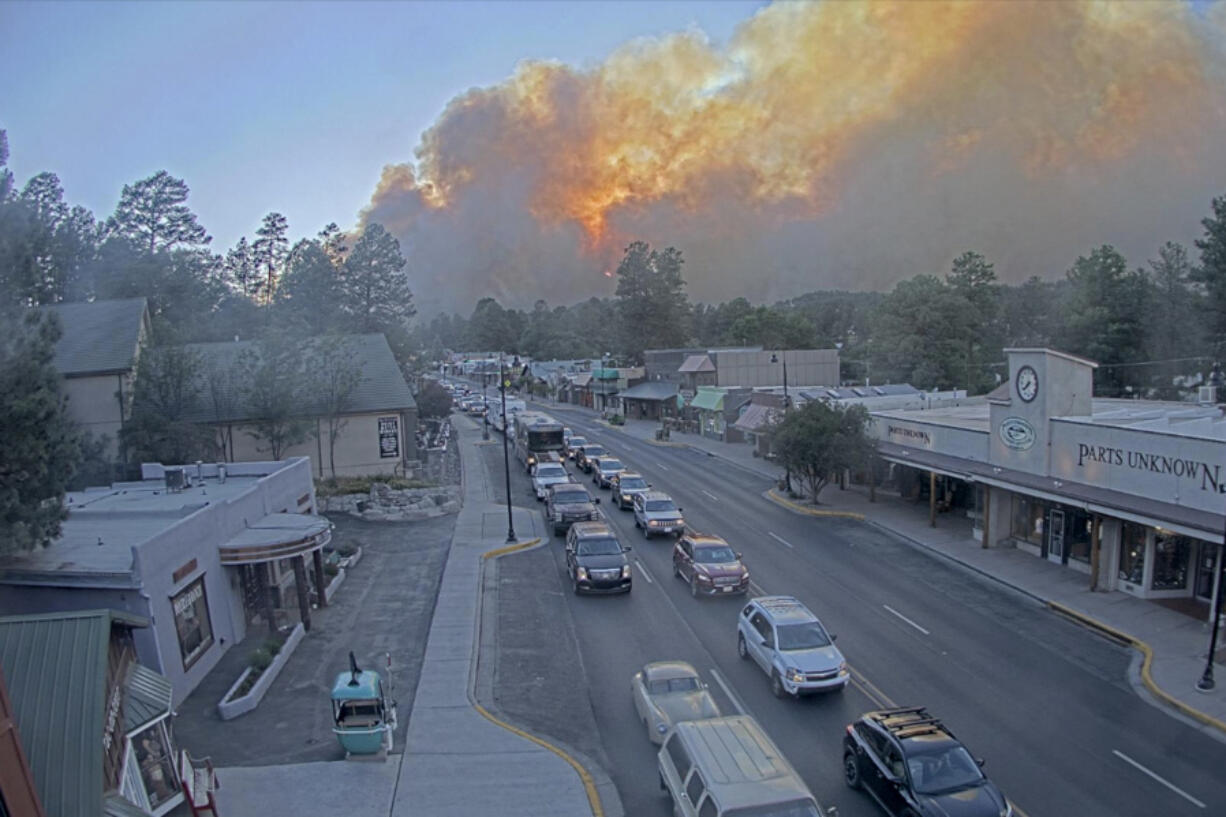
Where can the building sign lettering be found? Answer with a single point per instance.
(909, 436)
(110, 732)
(1209, 475)
(389, 437)
(184, 601)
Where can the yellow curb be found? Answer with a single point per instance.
(503, 551)
(1146, 663)
(775, 497)
(593, 797)
(589, 786)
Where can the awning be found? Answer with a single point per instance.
(116, 806)
(708, 400)
(147, 698)
(756, 418)
(277, 536)
(655, 391)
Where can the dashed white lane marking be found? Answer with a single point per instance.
(780, 539)
(643, 570)
(1161, 780)
(904, 618)
(732, 696)
(662, 465)
(708, 493)
(755, 589)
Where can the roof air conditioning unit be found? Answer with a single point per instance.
(176, 480)
(1206, 395)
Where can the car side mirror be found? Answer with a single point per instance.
(597, 500)
(979, 762)
(738, 555)
(649, 485)
(834, 636)
(679, 510)
(626, 549)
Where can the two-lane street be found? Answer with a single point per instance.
(1046, 703)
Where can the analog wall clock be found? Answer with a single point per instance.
(1027, 383)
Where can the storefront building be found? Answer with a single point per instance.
(200, 551)
(1131, 493)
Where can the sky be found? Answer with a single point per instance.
(515, 149)
(287, 107)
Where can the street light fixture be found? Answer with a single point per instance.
(787, 402)
(506, 458)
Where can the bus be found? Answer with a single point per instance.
(536, 433)
(513, 407)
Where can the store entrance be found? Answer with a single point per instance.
(1206, 568)
(1055, 536)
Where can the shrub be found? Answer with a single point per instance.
(347, 550)
(261, 659)
(273, 645)
(361, 485)
(331, 569)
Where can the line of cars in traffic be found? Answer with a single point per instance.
(713, 765)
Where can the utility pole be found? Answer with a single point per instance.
(787, 402)
(506, 459)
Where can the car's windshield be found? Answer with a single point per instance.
(611, 465)
(807, 636)
(632, 484)
(661, 686)
(571, 496)
(590, 451)
(550, 471)
(661, 505)
(575, 442)
(796, 808)
(599, 547)
(949, 768)
(714, 554)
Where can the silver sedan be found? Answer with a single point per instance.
(667, 693)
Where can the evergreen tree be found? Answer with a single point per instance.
(375, 289)
(1211, 274)
(152, 214)
(38, 439)
(168, 388)
(1104, 317)
(652, 306)
(269, 251)
(240, 269)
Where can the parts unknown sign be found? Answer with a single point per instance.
(389, 437)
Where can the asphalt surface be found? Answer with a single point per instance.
(385, 605)
(1046, 703)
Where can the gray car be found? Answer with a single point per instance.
(655, 512)
(625, 485)
(546, 474)
(791, 646)
(604, 468)
(667, 693)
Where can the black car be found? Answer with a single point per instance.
(596, 560)
(567, 503)
(912, 765)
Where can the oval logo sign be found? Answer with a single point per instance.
(1016, 433)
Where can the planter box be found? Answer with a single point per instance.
(350, 562)
(230, 709)
(332, 585)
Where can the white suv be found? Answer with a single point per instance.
(791, 646)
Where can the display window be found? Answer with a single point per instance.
(1078, 535)
(1172, 556)
(1132, 552)
(155, 759)
(1027, 524)
(191, 609)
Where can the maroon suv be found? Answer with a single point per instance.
(709, 565)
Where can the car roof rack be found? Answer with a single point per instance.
(895, 722)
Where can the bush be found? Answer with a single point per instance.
(361, 485)
(331, 569)
(347, 550)
(273, 645)
(617, 420)
(261, 659)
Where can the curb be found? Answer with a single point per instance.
(1147, 654)
(589, 784)
(775, 497)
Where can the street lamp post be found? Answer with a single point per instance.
(787, 402)
(506, 458)
(485, 406)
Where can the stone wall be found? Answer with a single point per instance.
(384, 504)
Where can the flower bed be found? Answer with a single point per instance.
(250, 688)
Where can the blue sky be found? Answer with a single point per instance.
(293, 107)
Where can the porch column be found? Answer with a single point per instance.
(317, 557)
(872, 479)
(1095, 547)
(987, 516)
(304, 596)
(263, 578)
(932, 499)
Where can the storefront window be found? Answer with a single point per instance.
(1132, 553)
(1078, 531)
(1172, 555)
(191, 609)
(1027, 522)
(154, 758)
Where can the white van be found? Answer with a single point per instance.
(728, 767)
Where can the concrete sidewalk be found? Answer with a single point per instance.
(1172, 647)
(459, 758)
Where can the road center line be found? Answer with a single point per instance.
(708, 493)
(1164, 782)
(780, 539)
(662, 465)
(755, 589)
(643, 570)
(732, 696)
(904, 618)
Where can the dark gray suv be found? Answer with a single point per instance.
(569, 502)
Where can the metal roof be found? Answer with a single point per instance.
(366, 688)
(98, 336)
(55, 665)
(696, 363)
(655, 390)
(148, 697)
(708, 400)
(382, 387)
(756, 417)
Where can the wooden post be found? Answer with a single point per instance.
(1095, 544)
(932, 499)
(263, 574)
(304, 595)
(987, 514)
(321, 579)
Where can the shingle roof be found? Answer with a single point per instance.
(697, 363)
(56, 666)
(655, 390)
(382, 387)
(99, 336)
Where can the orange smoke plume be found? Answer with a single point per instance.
(810, 115)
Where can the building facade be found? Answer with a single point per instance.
(1131, 493)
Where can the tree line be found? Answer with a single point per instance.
(1153, 329)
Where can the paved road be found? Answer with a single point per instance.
(1045, 702)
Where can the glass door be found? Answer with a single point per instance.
(1055, 536)
(1206, 564)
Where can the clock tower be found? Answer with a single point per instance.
(1042, 384)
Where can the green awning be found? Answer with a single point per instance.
(708, 400)
(148, 698)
